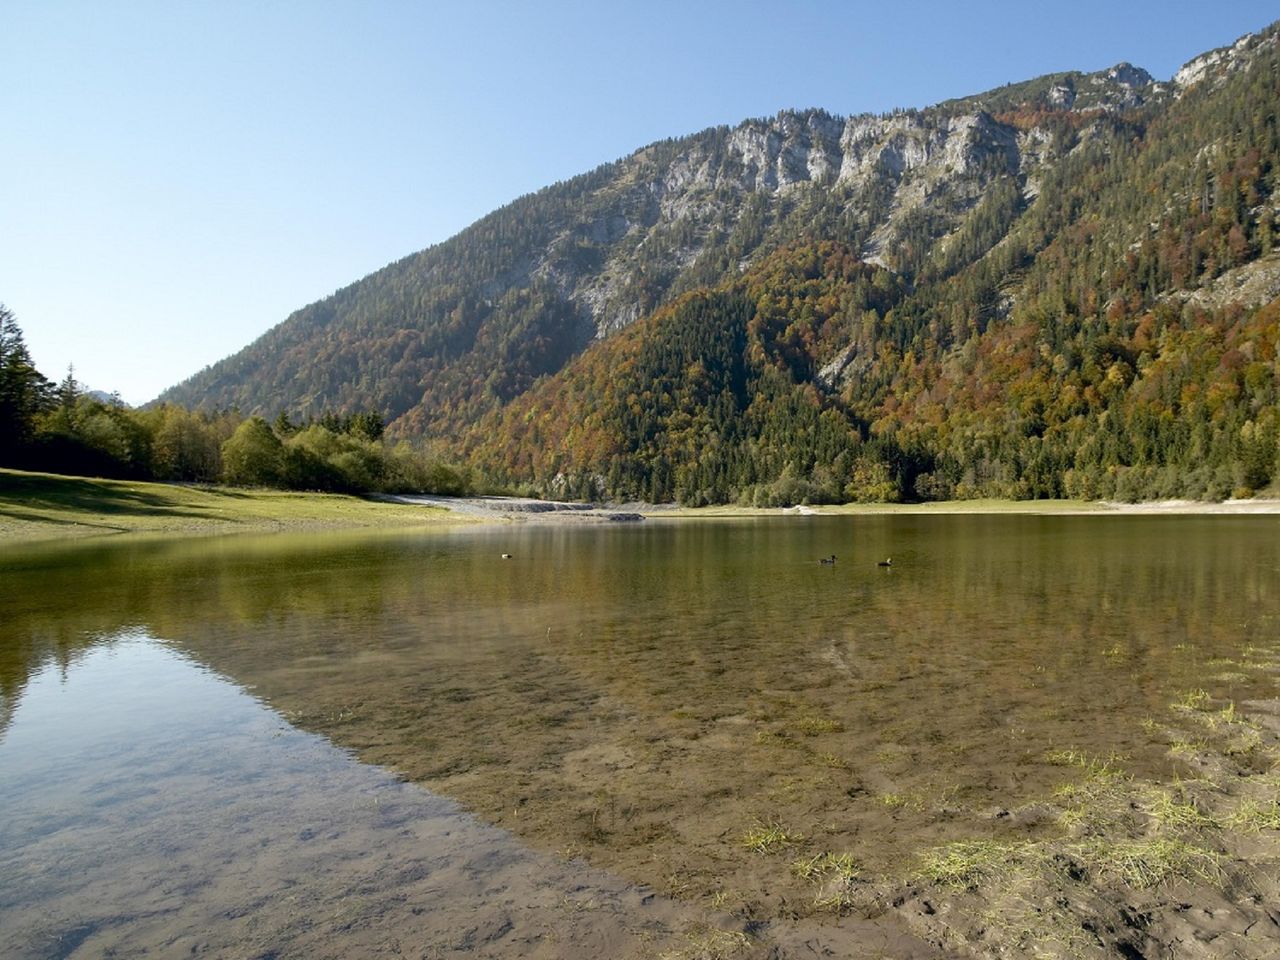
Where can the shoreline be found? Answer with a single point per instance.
(525, 509)
(39, 507)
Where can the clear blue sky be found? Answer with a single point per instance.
(177, 177)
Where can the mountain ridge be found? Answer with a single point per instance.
(445, 339)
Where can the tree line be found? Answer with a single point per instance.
(60, 428)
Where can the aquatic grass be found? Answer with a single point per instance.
(1149, 862)
(709, 943)
(832, 761)
(1095, 812)
(808, 868)
(1123, 833)
(791, 789)
(1019, 916)
(1254, 816)
(835, 874)
(967, 862)
(816, 726)
(1223, 662)
(1169, 813)
(1226, 716)
(772, 738)
(721, 897)
(1232, 676)
(1245, 746)
(1095, 803)
(1188, 749)
(901, 801)
(823, 864)
(1088, 803)
(839, 879)
(1197, 699)
(1091, 764)
(680, 883)
(1066, 758)
(1037, 932)
(768, 838)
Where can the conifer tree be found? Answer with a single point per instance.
(24, 392)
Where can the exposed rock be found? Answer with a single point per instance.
(1251, 285)
(1216, 65)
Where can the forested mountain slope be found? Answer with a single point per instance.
(1010, 293)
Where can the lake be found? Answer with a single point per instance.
(622, 740)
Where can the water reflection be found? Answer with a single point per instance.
(151, 807)
(643, 695)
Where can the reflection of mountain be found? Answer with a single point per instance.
(645, 694)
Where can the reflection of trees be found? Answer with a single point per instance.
(8, 707)
(23, 654)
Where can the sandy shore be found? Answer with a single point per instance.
(524, 509)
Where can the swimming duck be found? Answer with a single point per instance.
(887, 562)
(506, 556)
(830, 559)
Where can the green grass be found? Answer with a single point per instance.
(710, 943)
(816, 726)
(1172, 813)
(967, 862)
(901, 801)
(1254, 816)
(769, 838)
(41, 506)
(835, 874)
(1146, 863)
(1194, 700)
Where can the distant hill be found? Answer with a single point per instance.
(1063, 286)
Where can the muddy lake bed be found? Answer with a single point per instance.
(1033, 736)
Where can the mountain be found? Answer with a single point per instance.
(1017, 292)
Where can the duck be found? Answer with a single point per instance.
(506, 556)
(830, 559)
(887, 562)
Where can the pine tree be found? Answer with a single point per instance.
(24, 392)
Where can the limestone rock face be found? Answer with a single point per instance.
(880, 170)
(1217, 65)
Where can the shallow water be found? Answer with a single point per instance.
(153, 808)
(638, 696)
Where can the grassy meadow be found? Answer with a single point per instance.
(40, 506)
